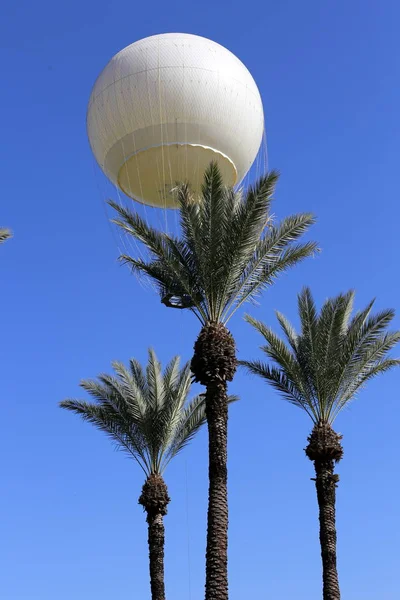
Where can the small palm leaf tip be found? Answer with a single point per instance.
(5, 234)
(146, 412)
(228, 249)
(322, 367)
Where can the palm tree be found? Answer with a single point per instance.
(320, 370)
(4, 234)
(148, 415)
(228, 251)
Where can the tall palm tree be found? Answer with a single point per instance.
(148, 415)
(228, 251)
(320, 370)
(4, 234)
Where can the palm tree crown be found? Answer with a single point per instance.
(323, 367)
(229, 249)
(146, 412)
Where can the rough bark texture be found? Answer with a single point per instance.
(214, 357)
(324, 449)
(213, 365)
(155, 499)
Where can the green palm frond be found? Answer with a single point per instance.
(134, 389)
(276, 349)
(5, 234)
(127, 438)
(133, 224)
(264, 269)
(228, 250)
(246, 220)
(282, 383)
(190, 419)
(138, 376)
(321, 368)
(155, 381)
(172, 373)
(359, 382)
(288, 330)
(146, 412)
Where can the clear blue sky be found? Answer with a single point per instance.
(70, 526)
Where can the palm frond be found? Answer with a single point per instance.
(372, 357)
(332, 326)
(168, 283)
(372, 331)
(288, 330)
(191, 419)
(134, 388)
(138, 375)
(171, 413)
(363, 331)
(172, 372)
(266, 272)
(128, 439)
(282, 383)
(247, 221)
(191, 221)
(369, 373)
(155, 381)
(276, 349)
(272, 255)
(134, 225)
(213, 198)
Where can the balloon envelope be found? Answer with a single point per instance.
(165, 107)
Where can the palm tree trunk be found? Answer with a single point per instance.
(217, 516)
(324, 449)
(156, 540)
(213, 365)
(325, 483)
(154, 499)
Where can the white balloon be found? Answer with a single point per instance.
(165, 107)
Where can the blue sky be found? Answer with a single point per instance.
(71, 528)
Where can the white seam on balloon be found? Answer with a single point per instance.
(93, 99)
(182, 144)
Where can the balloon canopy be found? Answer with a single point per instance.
(165, 107)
